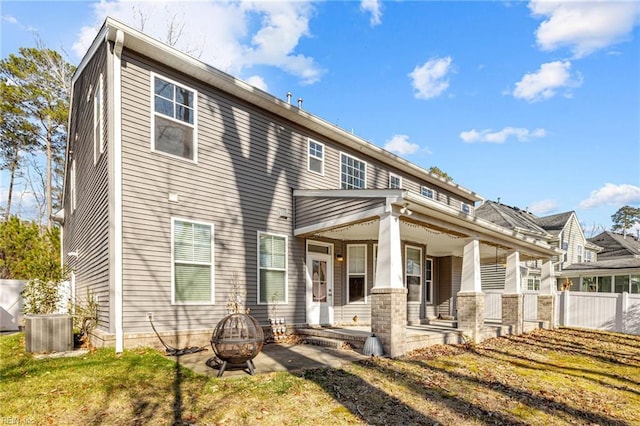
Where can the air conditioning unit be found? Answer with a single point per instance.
(48, 333)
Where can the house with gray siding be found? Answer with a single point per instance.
(561, 230)
(617, 269)
(187, 188)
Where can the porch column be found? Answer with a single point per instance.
(512, 298)
(470, 298)
(389, 296)
(547, 296)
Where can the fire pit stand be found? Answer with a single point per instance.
(236, 340)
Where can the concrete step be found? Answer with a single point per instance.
(326, 342)
(341, 337)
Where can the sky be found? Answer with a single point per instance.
(535, 103)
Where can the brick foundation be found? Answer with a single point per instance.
(471, 314)
(389, 318)
(513, 312)
(546, 309)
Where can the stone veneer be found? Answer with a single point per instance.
(471, 314)
(512, 312)
(389, 318)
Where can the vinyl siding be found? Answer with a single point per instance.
(317, 209)
(248, 163)
(493, 276)
(86, 230)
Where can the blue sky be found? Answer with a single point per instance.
(537, 103)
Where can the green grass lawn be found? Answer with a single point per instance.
(564, 376)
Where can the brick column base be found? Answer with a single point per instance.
(513, 312)
(389, 318)
(547, 309)
(471, 314)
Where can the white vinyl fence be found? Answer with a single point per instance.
(618, 312)
(11, 304)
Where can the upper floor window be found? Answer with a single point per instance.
(272, 268)
(356, 272)
(174, 119)
(98, 122)
(353, 172)
(587, 255)
(579, 254)
(465, 208)
(192, 262)
(316, 157)
(427, 192)
(395, 181)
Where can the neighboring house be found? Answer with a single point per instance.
(186, 188)
(616, 270)
(560, 230)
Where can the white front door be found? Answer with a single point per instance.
(319, 288)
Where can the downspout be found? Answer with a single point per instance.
(117, 184)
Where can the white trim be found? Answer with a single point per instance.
(286, 268)
(340, 221)
(211, 263)
(153, 114)
(98, 121)
(407, 247)
(117, 190)
(309, 156)
(398, 177)
(364, 290)
(340, 170)
(73, 183)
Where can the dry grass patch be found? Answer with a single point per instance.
(555, 377)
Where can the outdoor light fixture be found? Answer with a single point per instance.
(339, 257)
(72, 254)
(405, 210)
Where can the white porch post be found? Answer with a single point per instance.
(389, 296)
(513, 299)
(471, 298)
(547, 297)
(389, 263)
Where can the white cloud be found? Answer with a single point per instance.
(584, 26)
(257, 81)
(544, 83)
(501, 136)
(400, 144)
(429, 80)
(374, 7)
(612, 195)
(10, 19)
(543, 207)
(232, 36)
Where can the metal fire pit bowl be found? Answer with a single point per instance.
(236, 340)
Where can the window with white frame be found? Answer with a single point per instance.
(98, 122)
(272, 268)
(587, 256)
(356, 272)
(193, 275)
(375, 262)
(428, 280)
(533, 283)
(316, 157)
(353, 172)
(72, 184)
(426, 192)
(395, 181)
(174, 119)
(580, 253)
(413, 273)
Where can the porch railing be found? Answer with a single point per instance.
(493, 305)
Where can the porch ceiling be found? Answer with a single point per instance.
(439, 242)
